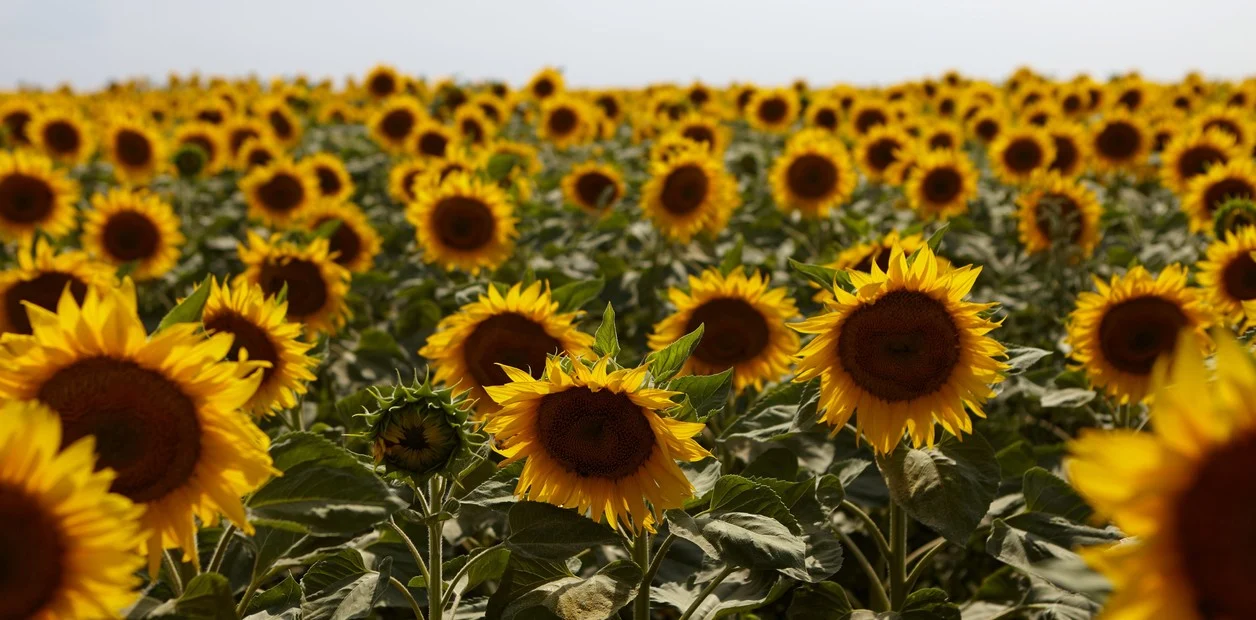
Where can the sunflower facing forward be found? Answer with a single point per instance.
(1119, 142)
(316, 285)
(879, 149)
(689, 193)
(1020, 152)
(903, 351)
(125, 226)
(34, 196)
(773, 109)
(1207, 192)
(261, 333)
(165, 410)
(595, 441)
(69, 545)
(594, 186)
(278, 193)
(744, 327)
(1228, 273)
(517, 329)
(1179, 492)
(334, 183)
(1191, 154)
(39, 279)
(941, 183)
(135, 149)
(1053, 209)
(354, 242)
(394, 123)
(813, 175)
(1120, 330)
(566, 120)
(463, 223)
(63, 134)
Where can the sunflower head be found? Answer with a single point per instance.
(135, 149)
(773, 109)
(1206, 193)
(463, 222)
(209, 139)
(63, 134)
(394, 122)
(865, 114)
(1055, 209)
(880, 148)
(316, 285)
(257, 152)
(126, 226)
(566, 120)
(280, 192)
(987, 123)
(546, 83)
(596, 440)
(473, 125)
(15, 115)
(1233, 215)
(903, 352)
(1021, 152)
(34, 197)
(353, 242)
(418, 431)
(813, 174)
(1119, 141)
(704, 129)
(1072, 151)
(432, 139)
(1230, 120)
(689, 193)
(39, 279)
(593, 186)
(941, 184)
(824, 113)
(285, 128)
(334, 183)
(382, 82)
(1192, 153)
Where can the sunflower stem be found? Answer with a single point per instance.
(405, 592)
(880, 601)
(641, 554)
(414, 551)
(435, 540)
(172, 570)
(874, 532)
(707, 590)
(657, 560)
(898, 556)
(220, 550)
(918, 569)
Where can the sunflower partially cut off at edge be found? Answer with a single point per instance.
(903, 351)
(1228, 274)
(279, 192)
(941, 184)
(594, 186)
(1206, 193)
(519, 329)
(1178, 492)
(165, 410)
(41, 276)
(34, 196)
(1119, 330)
(316, 285)
(1055, 209)
(463, 223)
(136, 150)
(813, 175)
(745, 327)
(334, 183)
(133, 227)
(68, 547)
(689, 193)
(596, 441)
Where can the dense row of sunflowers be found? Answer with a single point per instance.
(1002, 319)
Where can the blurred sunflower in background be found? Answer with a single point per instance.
(1228, 274)
(689, 193)
(354, 242)
(813, 174)
(704, 130)
(594, 186)
(35, 197)
(209, 140)
(63, 134)
(565, 121)
(432, 139)
(473, 125)
(1119, 141)
(382, 82)
(942, 135)
(773, 109)
(1020, 152)
(240, 129)
(278, 193)
(316, 285)
(125, 227)
(866, 113)
(547, 83)
(136, 150)
(464, 223)
(1072, 154)
(402, 178)
(41, 276)
(394, 122)
(334, 182)
(941, 184)
(1205, 193)
(1191, 154)
(285, 128)
(824, 113)
(257, 152)
(1055, 209)
(16, 114)
(1231, 120)
(879, 149)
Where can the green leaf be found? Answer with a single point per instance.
(188, 310)
(706, 393)
(733, 256)
(741, 591)
(500, 165)
(207, 597)
(327, 229)
(1047, 492)
(778, 463)
(281, 601)
(935, 240)
(485, 565)
(755, 541)
(929, 604)
(523, 575)
(572, 598)
(1016, 459)
(548, 532)
(1020, 359)
(573, 296)
(378, 345)
(739, 494)
(777, 412)
(324, 489)
(948, 488)
(665, 363)
(818, 601)
(356, 403)
(1042, 544)
(343, 594)
(1067, 398)
(605, 340)
(826, 277)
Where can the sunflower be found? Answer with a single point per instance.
(773, 109)
(824, 113)
(382, 82)
(240, 129)
(1020, 152)
(941, 184)
(1228, 273)
(861, 257)
(988, 123)
(593, 440)
(463, 223)
(705, 130)
(257, 152)
(594, 186)
(164, 410)
(547, 82)
(431, 139)
(942, 135)
(337, 112)
(212, 111)
(334, 183)
(39, 278)
(62, 134)
(527, 162)
(354, 242)
(813, 174)
(566, 121)
(473, 125)
(16, 114)
(495, 109)
(1071, 151)
(903, 351)
(1119, 141)
(745, 327)
(402, 178)
(393, 123)
(1118, 332)
(611, 103)
(135, 149)
(1206, 192)
(1054, 206)
(209, 139)
(133, 227)
(34, 196)
(1073, 101)
(864, 114)
(1230, 120)
(1178, 492)
(316, 285)
(68, 544)
(285, 127)
(879, 148)
(518, 329)
(261, 333)
(278, 193)
(1191, 154)
(689, 193)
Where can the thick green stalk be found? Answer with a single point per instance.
(435, 541)
(641, 554)
(898, 556)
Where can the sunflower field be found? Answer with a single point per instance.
(406, 348)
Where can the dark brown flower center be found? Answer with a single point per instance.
(1134, 333)
(599, 434)
(1227, 188)
(879, 256)
(596, 190)
(1071, 104)
(1119, 141)
(901, 347)
(463, 223)
(773, 110)
(281, 193)
(133, 148)
(249, 337)
(734, 332)
(213, 117)
(397, 124)
(543, 88)
(1066, 154)
(811, 176)
(328, 181)
(685, 189)
(1023, 155)
(941, 141)
(129, 236)
(280, 124)
(307, 290)
(16, 123)
(1131, 99)
(260, 156)
(826, 118)
(344, 241)
(383, 85)
(941, 185)
(238, 136)
(44, 290)
(472, 130)
(987, 129)
(609, 106)
(700, 133)
(433, 143)
(562, 121)
(32, 554)
(868, 119)
(146, 427)
(882, 154)
(407, 183)
(1195, 161)
(699, 96)
(1239, 277)
(743, 98)
(25, 199)
(62, 137)
(946, 107)
(511, 339)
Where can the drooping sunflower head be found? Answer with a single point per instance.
(596, 441)
(382, 82)
(903, 351)
(125, 226)
(1192, 153)
(879, 148)
(1058, 210)
(279, 193)
(463, 222)
(316, 285)
(164, 410)
(1228, 273)
(773, 109)
(474, 126)
(1119, 141)
(354, 242)
(689, 193)
(1020, 152)
(209, 139)
(334, 182)
(1119, 331)
(941, 184)
(594, 186)
(1205, 193)
(62, 134)
(136, 150)
(419, 430)
(1072, 150)
(39, 279)
(432, 139)
(744, 327)
(260, 332)
(866, 113)
(546, 83)
(813, 175)
(394, 122)
(566, 120)
(34, 197)
(519, 328)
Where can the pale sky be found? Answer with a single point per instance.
(598, 43)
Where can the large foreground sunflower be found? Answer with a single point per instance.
(1055, 209)
(279, 192)
(593, 186)
(34, 196)
(1228, 273)
(813, 175)
(164, 410)
(941, 183)
(1207, 192)
(903, 352)
(261, 332)
(689, 193)
(39, 279)
(463, 223)
(744, 327)
(68, 548)
(518, 329)
(133, 227)
(1179, 492)
(594, 440)
(354, 242)
(1119, 331)
(316, 286)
